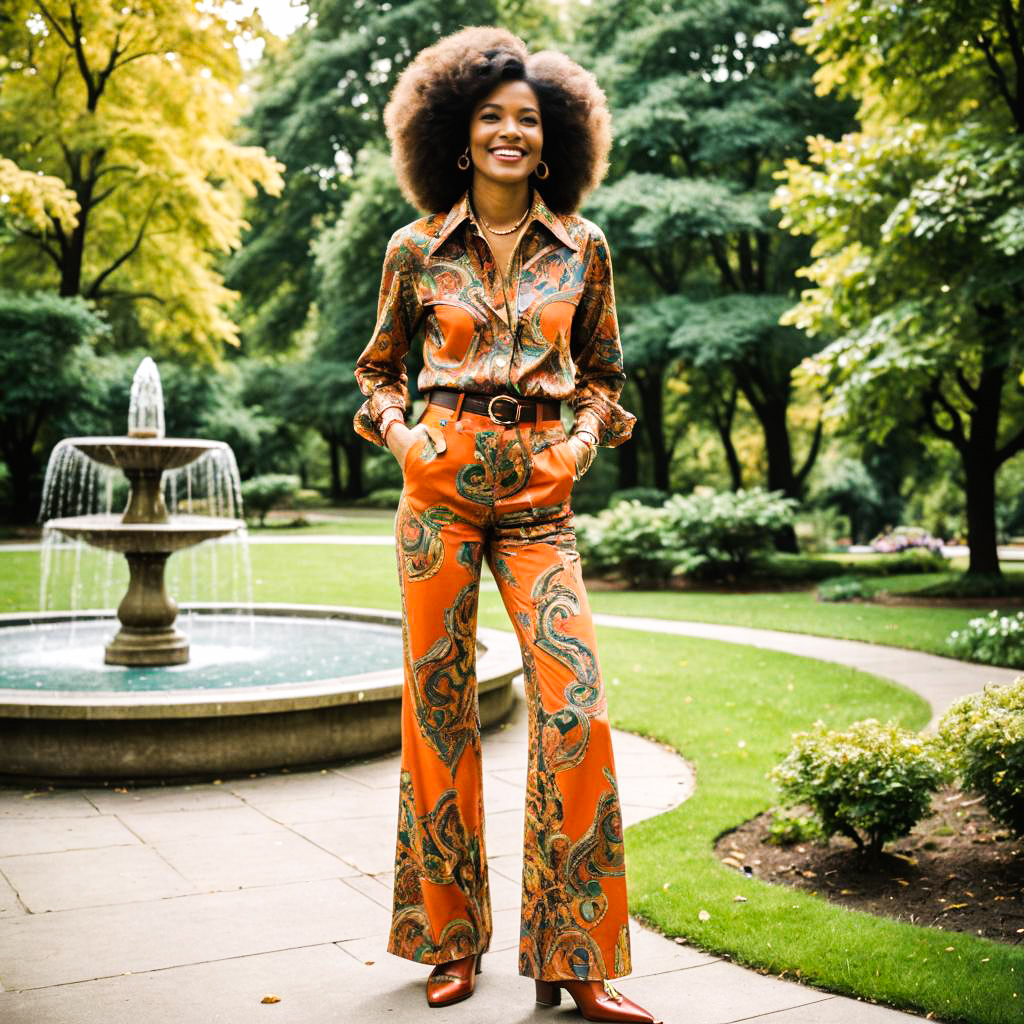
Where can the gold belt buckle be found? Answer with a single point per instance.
(504, 398)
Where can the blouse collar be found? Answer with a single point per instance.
(539, 211)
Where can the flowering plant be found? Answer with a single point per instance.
(905, 537)
(992, 639)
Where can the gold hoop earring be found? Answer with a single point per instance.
(536, 170)
(465, 157)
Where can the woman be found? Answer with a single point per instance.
(513, 293)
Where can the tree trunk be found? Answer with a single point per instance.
(23, 483)
(629, 465)
(650, 385)
(980, 463)
(772, 416)
(355, 450)
(980, 474)
(335, 493)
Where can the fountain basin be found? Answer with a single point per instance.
(178, 532)
(146, 453)
(202, 731)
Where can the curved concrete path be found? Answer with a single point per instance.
(194, 902)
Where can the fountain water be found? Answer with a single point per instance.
(146, 533)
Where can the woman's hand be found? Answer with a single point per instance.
(401, 438)
(583, 452)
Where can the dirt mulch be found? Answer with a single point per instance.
(957, 870)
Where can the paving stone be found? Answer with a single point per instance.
(834, 1010)
(345, 804)
(715, 993)
(237, 862)
(146, 799)
(93, 878)
(378, 888)
(164, 826)
(311, 983)
(36, 803)
(368, 844)
(20, 836)
(80, 945)
(500, 795)
(380, 773)
(10, 905)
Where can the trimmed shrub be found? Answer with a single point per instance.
(262, 493)
(842, 588)
(632, 539)
(719, 534)
(871, 782)
(992, 639)
(983, 734)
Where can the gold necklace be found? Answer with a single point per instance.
(495, 231)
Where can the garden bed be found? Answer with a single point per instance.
(958, 870)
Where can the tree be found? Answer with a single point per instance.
(130, 108)
(40, 333)
(708, 101)
(919, 220)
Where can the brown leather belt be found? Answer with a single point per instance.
(505, 410)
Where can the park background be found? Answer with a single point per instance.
(816, 218)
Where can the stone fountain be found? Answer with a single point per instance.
(146, 534)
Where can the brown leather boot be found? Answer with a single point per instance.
(596, 1000)
(454, 980)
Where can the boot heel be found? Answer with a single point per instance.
(548, 993)
(479, 962)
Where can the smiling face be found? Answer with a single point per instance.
(505, 134)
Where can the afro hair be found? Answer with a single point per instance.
(428, 116)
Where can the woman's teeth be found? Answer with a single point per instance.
(508, 154)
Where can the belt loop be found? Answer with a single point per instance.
(458, 406)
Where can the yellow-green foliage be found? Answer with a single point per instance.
(870, 782)
(984, 734)
(131, 108)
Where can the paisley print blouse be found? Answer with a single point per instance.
(548, 331)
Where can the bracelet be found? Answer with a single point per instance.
(391, 421)
(591, 452)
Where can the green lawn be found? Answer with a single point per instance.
(730, 710)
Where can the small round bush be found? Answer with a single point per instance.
(262, 493)
(992, 639)
(984, 736)
(722, 532)
(871, 782)
(628, 538)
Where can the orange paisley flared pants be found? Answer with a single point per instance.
(473, 490)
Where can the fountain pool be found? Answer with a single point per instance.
(288, 685)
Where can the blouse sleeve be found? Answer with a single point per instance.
(380, 370)
(597, 351)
